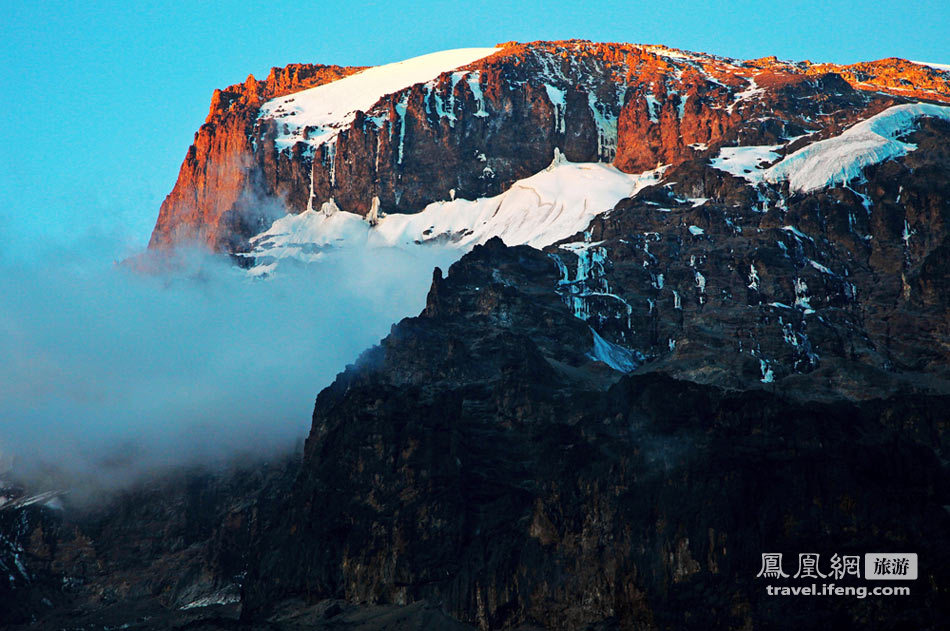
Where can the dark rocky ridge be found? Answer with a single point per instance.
(481, 460)
(482, 466)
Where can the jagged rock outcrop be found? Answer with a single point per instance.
(227, 186)
(893, 75)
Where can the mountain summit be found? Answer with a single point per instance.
(469, 123)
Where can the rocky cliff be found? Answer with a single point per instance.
(225, 187)
(484, 457)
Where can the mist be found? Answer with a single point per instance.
(108, 374)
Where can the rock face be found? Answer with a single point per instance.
(226, 187)
(163, 553)
(473, 131)
(482, 459)
(724, 283)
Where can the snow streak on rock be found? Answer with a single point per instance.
(315, 116)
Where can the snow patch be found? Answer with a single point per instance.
(798, 233)
(750, 92)
(474, 83)
(745, 162)
(606, 123)
(802, 300)
(652, 106)
(616, 356)
(941, 67)
(681, 106)
(401, 108)
(224, 597)
(753, 278)
(767, 375)
(560, 105)
(839, 160)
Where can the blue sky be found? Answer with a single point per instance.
(102, 99)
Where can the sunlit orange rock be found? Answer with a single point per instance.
(633, 105)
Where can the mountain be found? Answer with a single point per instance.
(736, 222)
(699, 314)
(217, 178)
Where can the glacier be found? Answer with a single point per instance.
(539, 210)
(840, 159)
(833, 161)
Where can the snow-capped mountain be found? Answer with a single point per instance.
(699, 311)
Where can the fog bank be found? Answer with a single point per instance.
(110, 373)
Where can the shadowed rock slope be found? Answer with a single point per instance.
(476, 461)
